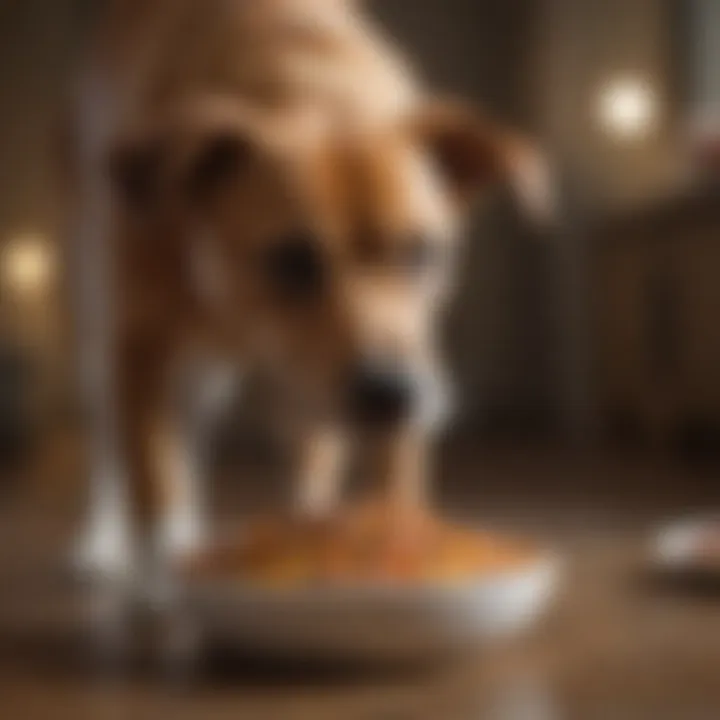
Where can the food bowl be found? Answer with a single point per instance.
(375, 619)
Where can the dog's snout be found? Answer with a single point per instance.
(381, 396)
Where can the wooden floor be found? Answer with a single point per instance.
(613, 648)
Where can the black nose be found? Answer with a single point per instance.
(380, 397)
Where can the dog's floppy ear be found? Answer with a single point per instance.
(218, 138)
(187, 155)
(473, 153)
(219, 156)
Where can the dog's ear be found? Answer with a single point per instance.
(473, 153)
(220, 156)
(218, 140)
(187, 155)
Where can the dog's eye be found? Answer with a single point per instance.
(295, 267)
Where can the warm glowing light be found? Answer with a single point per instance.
(627, 108)
(27, 263)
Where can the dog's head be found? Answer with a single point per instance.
(328, 250)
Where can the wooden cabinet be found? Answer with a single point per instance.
(657, 315)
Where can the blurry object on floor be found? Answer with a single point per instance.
(686, 554)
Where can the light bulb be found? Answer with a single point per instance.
(627, 108)
(27, 263)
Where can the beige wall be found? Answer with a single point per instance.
(580, 45)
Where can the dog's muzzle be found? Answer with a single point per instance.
(382, 397)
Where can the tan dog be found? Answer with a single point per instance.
(266, 183)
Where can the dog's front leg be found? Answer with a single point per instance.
(321, 464)
(104, 547)
(150, 443)
(201, 391)
(404, 459)
(402, 468)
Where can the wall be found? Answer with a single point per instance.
(38, 41)
(582, 45)
(703, 62)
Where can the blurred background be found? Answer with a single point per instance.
(604, 335)
(587, 360)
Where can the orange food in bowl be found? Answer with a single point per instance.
(358, 548)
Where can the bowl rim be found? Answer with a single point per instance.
(546, 566)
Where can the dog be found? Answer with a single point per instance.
(269, 186)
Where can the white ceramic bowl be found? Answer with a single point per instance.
(376, 621)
